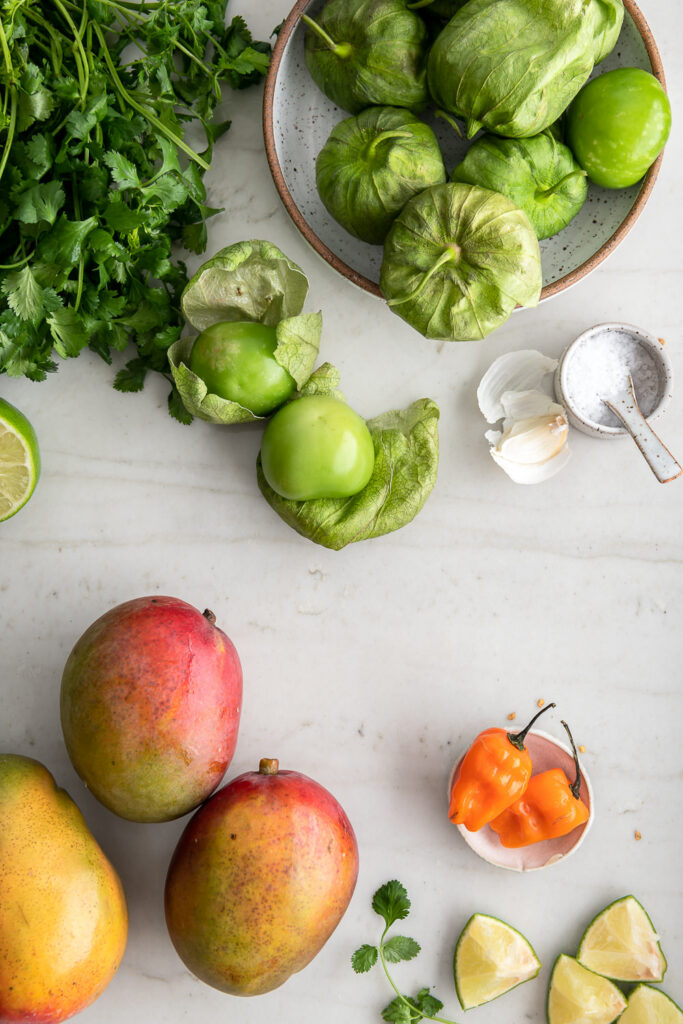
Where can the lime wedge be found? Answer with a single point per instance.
(490, 959)
(621, 943)
(578, 996)
(650, 1006)
(19, 460)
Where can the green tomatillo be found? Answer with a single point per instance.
(539, 175)
(363, 53)
(618, 125)
(317, 447)
(372, 164)
(235, 359)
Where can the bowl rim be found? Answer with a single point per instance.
(566, 281)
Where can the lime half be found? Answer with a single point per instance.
(621, 943)
(490, 959)
(650, 1006)
(578, 996)
(19, 460)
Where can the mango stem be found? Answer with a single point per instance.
(268, 766)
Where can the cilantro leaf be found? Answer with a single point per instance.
(364, 958)
(177, 409)
(122, 170)
(399, 1012)
(391, 902)
(68, 332)
(400, 947)
(429, 1005)
(24, 294)
(132, 376)
(41, 202)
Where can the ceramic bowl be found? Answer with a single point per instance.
(568, 376)
(546, 752)
(298, 118)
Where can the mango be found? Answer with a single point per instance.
(63, 917)
(259, 880)
(150, 705)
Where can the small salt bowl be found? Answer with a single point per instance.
(598, 363)
(546, 752)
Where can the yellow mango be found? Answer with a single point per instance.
(63, 917)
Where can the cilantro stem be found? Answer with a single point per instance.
(14, 104)
(153, 120)
(411, 1006)
(80, 55)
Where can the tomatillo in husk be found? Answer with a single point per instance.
(372, 164)
(363, 53)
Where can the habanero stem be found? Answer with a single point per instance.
(408, 1002)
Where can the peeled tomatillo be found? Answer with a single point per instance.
(618, 125)
(235, 360)
(317, 447)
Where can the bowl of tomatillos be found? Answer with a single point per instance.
(456, 187)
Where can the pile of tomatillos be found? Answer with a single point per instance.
(460, 254)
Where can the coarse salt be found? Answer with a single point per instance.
(600, 368)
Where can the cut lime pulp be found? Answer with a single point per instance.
(19, 460)
(648, 1005)
(579, 996)
(491, 958)
(622, 944)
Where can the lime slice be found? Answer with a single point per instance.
(650, 1006)
(490, 959)
(19, 460)
(579, 996)
(621, 943)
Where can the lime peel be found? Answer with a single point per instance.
(19, 460)
(491, 958)
(577, 995)
(621, 943)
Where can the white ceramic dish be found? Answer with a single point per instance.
(578, 354)
(546, 752)
(297, 119)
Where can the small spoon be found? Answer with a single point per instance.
(625, 406)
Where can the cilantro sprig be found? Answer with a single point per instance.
(392, 904)
(106, 129)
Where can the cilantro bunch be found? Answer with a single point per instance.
(97, 177)
(392, 904)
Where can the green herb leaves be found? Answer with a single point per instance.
(392, 904)
(97, 180)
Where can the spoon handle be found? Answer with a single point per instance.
(656, 454)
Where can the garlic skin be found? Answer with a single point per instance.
(532, 444)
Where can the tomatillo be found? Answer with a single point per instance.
(317, 447)
(236, 361)
(617, 126)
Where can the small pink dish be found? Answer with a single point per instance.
(546, 752)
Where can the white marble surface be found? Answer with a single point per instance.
(370, 668)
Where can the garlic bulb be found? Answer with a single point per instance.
(531, 445)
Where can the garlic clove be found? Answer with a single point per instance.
(532, 473)
(534, 440)
(524, 405)
(512, 372)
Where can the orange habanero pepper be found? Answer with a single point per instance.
(550, 808)
(494, 773)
